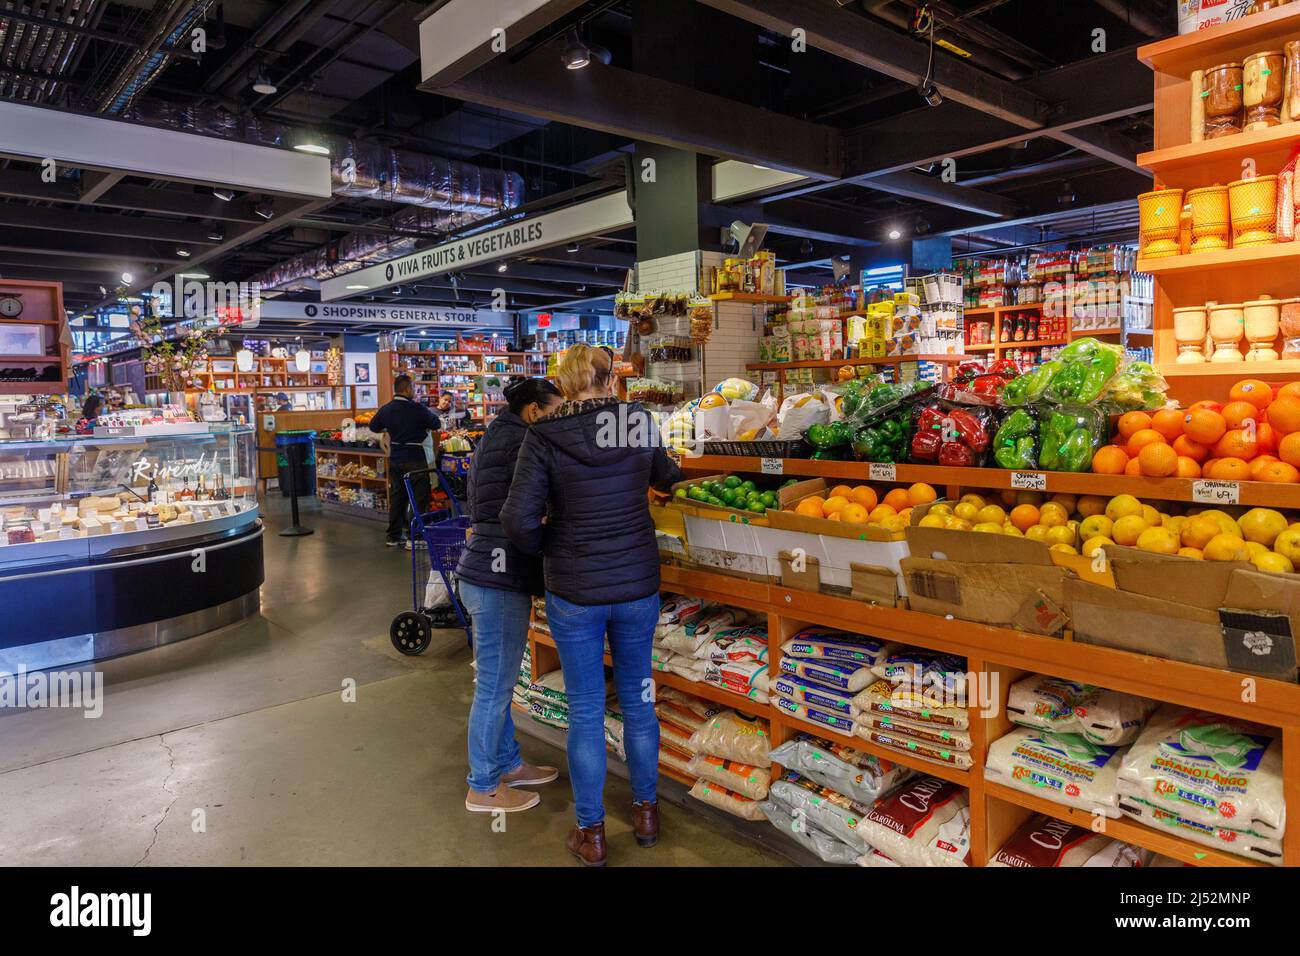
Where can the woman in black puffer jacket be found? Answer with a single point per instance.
(579, 497)
(497, 583)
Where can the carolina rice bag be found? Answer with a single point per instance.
(1044, 841)
(925, 822)
(825, 808)
(740, 778)
(842, 675)
(825, 642)
(857, 775)
(1063, 768)
(827, 848)
(734, 738)
(1218, 779)
(883, 699)
(1102, 716)
(711, 793)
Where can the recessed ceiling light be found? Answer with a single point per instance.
(194, 275)
(502, 267)
(225, 195)
(128, 278)
(895, 234)
(182, 252)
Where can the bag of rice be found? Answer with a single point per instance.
(614, 731)
(918, 731)
(674, 737)
(1044, 841)
(883, 699)
(673, 610)
(826, 642)
(925, 822)
(827, 699)
(826, 847)
(549, 688)
(1213, 769)
(549, 713)
(745, 644)
(661, 659)
(696, 633)
(708, 792)
(936, 753)
(815, 715)
(688, 667)
(733, 737)
(940, 678)
(683, 717)
(842, 675)
(823, 807)
(1063, 768)
(1103, 716)
(875, 858)
(674, 761)
(739, 778)
(747, 678)
(697, 705)
(857, 775)
(1242, 841)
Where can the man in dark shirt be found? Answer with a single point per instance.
(407, 423)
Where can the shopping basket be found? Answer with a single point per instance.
(443, 534)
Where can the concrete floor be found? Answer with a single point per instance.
(237, 747)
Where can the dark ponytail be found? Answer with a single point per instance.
(523, 392)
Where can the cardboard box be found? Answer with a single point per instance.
(1217, 614)
(837, 547)
(992, 579)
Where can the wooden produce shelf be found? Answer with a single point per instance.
(840, 363)
(1194, 165)
(1130, 831)
(997, 810)
(1257, 493)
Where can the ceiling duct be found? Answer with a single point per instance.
(36, 51)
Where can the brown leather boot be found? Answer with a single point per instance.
(587, 844)
(645, 822)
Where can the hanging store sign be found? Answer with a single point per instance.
(378, 313)
(579, 221)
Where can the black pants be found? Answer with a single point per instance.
(399, 522)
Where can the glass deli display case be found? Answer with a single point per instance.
(110, 544)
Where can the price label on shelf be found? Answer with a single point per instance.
(773, 466)
(1216, 492)
(1029, 480)
(883, 471)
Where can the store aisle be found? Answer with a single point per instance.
(238, 748)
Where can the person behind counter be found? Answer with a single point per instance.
(407, 424)
(90, 410)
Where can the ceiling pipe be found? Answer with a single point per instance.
(172, 24)
(985, 57)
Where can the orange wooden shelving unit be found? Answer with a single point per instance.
(1230, 275)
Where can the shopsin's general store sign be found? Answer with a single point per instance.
(579, 221)
(393, 314)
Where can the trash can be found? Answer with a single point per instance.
(305, 476)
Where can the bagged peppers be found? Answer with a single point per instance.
(1068, 436)
(956, 436)
(1015, 446)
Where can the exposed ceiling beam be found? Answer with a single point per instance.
(882, 49)
(102, 224)
(21, 184)
(935, 190)
(458, 37)
(651, 110)
(94, 185)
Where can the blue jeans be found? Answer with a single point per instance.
(500, 621)
(579, 631)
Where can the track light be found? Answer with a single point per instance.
(573, 247)
(225, 195)
(216, 235)
(128, 278)
(103, 291)
(182, 252)
(930, 93)
(263, 84)
(576, 54)
(895, 234)
(310, 142)
(264, 209)
(805, 247)
(502, 267)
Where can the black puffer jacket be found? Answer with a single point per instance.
(588, 467)
(491, 559)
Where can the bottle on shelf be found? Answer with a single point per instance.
(186, 493)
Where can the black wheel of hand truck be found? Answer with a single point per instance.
(411, 633)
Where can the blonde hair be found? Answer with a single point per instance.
(582, 368)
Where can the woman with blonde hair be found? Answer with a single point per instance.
(579, 498)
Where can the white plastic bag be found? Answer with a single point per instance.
(435, 592)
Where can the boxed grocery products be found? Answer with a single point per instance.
(1196, 15)
(1222, 614)
(993, 579)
